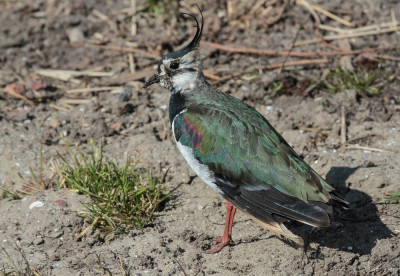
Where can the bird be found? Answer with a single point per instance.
(238, 153)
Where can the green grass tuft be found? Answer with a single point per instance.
(391, 197)
(276, 88)
(17, 268)
(364, 82)
(122, 197)
(163, 7)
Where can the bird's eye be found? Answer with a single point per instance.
(174, 65)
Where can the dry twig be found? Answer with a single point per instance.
(133, 19)
(271, 66)
(116, 48)
(92, 89)
(295, 54)
(351, 35)
(343, 136)
(325, 12)
(386, 57)
(131, 63)
(74, 101)
(66, 75)
(372, 27)
(347, 146)
(25, 99)
(311, 9)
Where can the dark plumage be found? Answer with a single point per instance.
(237, 152)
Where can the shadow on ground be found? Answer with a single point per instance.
(359, 227)
(355, 229)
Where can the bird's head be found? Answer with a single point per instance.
(181, 70)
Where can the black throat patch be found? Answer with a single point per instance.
(177, 103)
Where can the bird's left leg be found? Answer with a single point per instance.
(223, 241)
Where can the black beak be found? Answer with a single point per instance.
(152, 80)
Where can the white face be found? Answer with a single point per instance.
(185, 80)
(181, 74)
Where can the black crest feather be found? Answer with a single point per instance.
(195, 41)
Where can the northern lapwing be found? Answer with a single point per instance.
(237, 152)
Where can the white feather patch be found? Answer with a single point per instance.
(200, 169)
(183, 80)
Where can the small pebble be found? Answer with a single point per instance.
(125, 95)
(55, 235)
(54, 123)
(61, 203)
(75, 35)
(36, 204)
(38, 240)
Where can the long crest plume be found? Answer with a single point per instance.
(196, 40)
(180, 53)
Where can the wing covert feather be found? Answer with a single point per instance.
(247, 150)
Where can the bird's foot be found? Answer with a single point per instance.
(219, 239)
(220, 243)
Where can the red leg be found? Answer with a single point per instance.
(223, 241)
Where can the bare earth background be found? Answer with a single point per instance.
(41, 34)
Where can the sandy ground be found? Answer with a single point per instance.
(37, 35)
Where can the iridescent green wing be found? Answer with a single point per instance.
(253, 165)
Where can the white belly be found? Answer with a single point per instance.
(200, 169)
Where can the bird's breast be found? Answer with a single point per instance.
(202, 170)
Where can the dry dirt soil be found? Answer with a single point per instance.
(39, 34)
